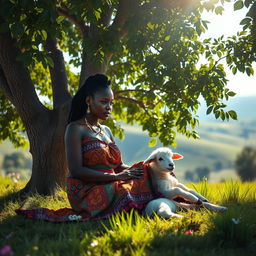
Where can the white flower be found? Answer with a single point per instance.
(94, 243)
(74, 217)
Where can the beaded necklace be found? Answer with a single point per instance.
(90, 127)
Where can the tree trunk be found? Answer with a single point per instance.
(49, 169)
(91, 67)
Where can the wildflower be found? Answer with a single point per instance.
(189, 232)
(6, 250)
(74, 217)
(8, 236)
(235, 221)
(14, 176)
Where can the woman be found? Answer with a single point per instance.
(99, 183)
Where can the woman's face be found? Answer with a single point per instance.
(101, 103)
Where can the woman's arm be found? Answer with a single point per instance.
(75, 165)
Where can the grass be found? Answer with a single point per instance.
(198, 233)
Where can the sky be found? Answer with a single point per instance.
(228, 24)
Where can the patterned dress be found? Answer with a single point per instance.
(91, 201)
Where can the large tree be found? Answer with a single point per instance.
(149, 49)
(245, 164)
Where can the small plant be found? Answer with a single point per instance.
(202, 187)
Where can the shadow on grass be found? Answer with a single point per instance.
(29, 237)
(230, 233)
(8, 198)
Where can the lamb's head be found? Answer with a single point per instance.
(162, 159)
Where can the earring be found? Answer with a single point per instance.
(88, 109)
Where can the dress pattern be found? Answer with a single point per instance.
(90, 201)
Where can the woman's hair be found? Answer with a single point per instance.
(91, 85)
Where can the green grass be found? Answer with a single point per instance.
(229, 233)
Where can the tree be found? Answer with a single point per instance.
(245, 164)
(202, 172)
(189, 176)
(14, 160)
(149, 49)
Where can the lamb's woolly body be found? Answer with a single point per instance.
(164, 179)
(161, 164)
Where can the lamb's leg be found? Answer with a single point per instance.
(214, 207)
(175, 192)
(192, 191)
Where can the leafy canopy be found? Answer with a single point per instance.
(153, 54)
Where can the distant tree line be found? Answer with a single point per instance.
(17, 162)
(245, 164)
(245, 167)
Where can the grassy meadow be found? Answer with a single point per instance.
(198, 233)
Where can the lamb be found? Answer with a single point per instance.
(161, 166)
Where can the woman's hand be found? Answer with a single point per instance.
(130, 174)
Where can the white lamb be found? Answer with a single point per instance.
(161, 167)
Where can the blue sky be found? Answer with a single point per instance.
(228, 24)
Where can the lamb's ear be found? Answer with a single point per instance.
(176, 156)
(149, 159)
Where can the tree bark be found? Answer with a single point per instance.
(49, 169)
(45, 128)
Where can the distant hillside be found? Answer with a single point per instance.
(219, 145)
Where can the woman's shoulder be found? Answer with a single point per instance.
(108, 131)
(77, 127)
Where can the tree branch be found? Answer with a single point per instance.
(138, 102)
(122, 14)
(20, 85)
(58, 72)
(64, 11)
(131, 90)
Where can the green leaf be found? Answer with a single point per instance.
(167, 38)
(209, 110)
(249, 71)
(232, 114)
(217, 114)
(97, 13)
(43, 34)
(150, 26)
(246, 21)
(152, 142)
(234, 70)
(219, 10)
(238, 5)
(222, 115)
(247, 3)
(230, 93)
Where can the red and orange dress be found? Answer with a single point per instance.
(91, 201)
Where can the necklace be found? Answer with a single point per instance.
(90, 127)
